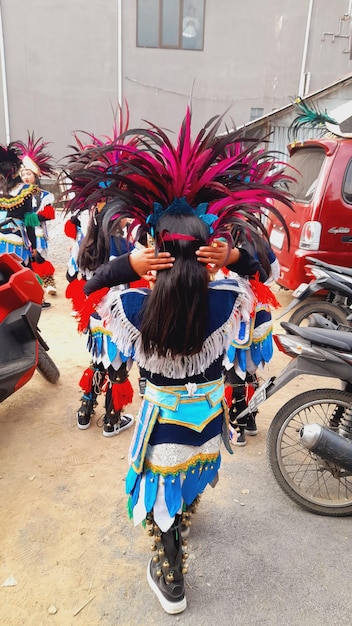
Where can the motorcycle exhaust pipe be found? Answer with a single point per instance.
(327, 444)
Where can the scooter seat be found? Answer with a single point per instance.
(340, 269)
(339, 339)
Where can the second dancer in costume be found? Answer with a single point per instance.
(37, 162)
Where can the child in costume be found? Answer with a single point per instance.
(73, 230)
(246, 356)
(180, 330)
(91, 252)
(36, 162)
(244, 359)
(17, 231)
(100, 377)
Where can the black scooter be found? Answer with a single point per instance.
(335, 281)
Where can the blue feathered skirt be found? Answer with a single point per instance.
(175, 450)
(255, 350)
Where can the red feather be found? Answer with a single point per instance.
(74, 291)
(87, 380)
(263, 294)
(122, 394)
(70, 229)
(228, 395)
(43, 269)
(48, 212)
(89, 307)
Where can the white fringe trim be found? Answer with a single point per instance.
(129, 341)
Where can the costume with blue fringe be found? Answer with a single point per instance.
(248, 352)
(175, 451)
(252, 350)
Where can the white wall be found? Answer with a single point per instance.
(62, 65)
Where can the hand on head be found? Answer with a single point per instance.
(144, 261)
(217, 255)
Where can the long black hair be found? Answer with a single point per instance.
(94, 249)
(174, 319)
(253, 238)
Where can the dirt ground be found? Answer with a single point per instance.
(69, 555)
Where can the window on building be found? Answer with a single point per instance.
(255, 113)
(177, 24)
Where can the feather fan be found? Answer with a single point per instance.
(308, 117)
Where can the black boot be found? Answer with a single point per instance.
(165, 569)
(89, 398)
(86, 410)
(238, 425)
(114, 421)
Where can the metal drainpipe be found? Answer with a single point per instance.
(119, 52)
(4, 81)
(305, 51)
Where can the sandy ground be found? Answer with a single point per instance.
(69, 555)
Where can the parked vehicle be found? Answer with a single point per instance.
(23, 350)
(309, 441)
(336, 283)
(321, 223)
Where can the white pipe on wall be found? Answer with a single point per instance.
(119, 52)
(4, 81)
(302, 80)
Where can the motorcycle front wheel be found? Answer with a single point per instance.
(332, 312)
(46, 366)
(318, 486)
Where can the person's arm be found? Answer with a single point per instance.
(116, 272)
(127, 268)
(248, 266)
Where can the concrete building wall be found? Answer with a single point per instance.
(62, 64)
(247, 62)
(61, 59)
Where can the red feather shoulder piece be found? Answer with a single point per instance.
(89, 307)
(263, 294)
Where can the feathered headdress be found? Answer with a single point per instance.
(309, 117)
(256, 166)
(152, 177)
(10, 163)
(34, 155)
(93, 151)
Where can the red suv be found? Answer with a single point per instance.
(321, 224)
